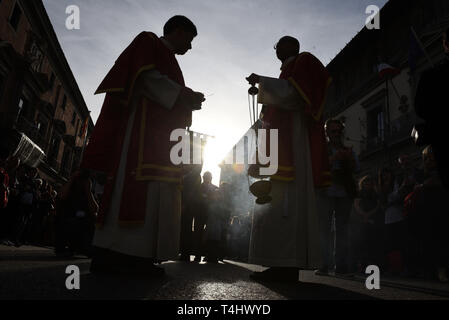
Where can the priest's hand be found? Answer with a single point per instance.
(191, 99)
(253, 79)
(198, 99)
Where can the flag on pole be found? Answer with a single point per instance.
(387, 71)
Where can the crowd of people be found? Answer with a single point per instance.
(396, 218)
(28, 204)
(33, 213)
(210, 230)
(401, 221)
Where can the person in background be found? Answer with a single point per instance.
(75, 218)
(216, 225)
(392, 198)
(431, 106)
(367, 240)
(338, 198)
(207, 190)
(427, 210)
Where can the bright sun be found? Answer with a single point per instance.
(214, 152)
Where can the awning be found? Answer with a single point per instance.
(28, 152)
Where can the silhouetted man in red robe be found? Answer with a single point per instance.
(146, 99)
(285, 232)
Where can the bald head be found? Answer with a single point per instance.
(287, 47)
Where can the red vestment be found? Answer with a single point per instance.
(311, 79)
(148, 157)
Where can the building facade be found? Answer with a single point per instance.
(378, 111)
(42, 111)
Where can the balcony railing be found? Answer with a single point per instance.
(401, 129)
(32, 131)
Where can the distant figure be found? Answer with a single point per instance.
(431, 103)
(75, 217)
(367, 233)
(207, 191)
(146, 99)
(217, 224)
(337, 200)
(285, 234)
(190, 203)
(427, 212)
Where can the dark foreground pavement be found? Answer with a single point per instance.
(34, 273)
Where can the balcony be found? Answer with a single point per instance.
(401, 129)
(32, 131)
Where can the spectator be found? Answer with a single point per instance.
(216, 225)
(8, 220)
(367, 241)
(391, 199)
(430, 105)
(75, 218)
(427, 210)
(337, 199)
(200, 216)
(27, 202)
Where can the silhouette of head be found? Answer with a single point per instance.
(334, 130)
(207, 177)
(180, 31)
(286, 47)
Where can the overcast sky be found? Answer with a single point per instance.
(235, 38)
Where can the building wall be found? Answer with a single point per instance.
(18, 37)
(21, 41)
(357, 88)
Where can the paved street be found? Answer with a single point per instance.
(34, 273)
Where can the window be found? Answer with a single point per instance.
(15, 16)
(64, 102)
(375, 126)
(73, 118)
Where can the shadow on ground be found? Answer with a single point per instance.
(40, 275)
(313, 291)
(48, 283)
